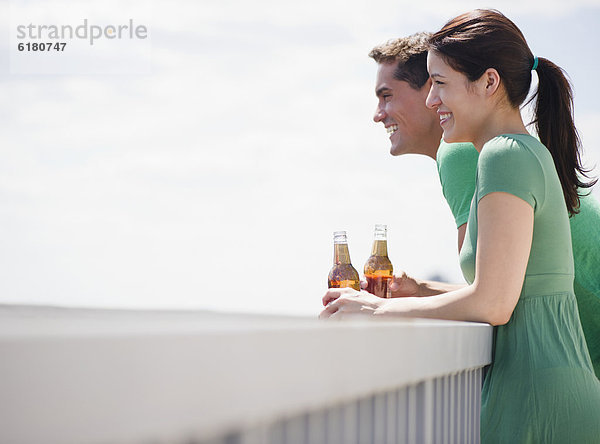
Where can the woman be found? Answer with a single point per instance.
(517, 254)
(457, 168)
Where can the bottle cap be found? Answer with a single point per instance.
(380, 231)
(339, 237)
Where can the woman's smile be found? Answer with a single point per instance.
(444, 117)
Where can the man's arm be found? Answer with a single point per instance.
(405, 286)
(457, 166)
(462, 230)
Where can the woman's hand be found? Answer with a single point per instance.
(346, 302)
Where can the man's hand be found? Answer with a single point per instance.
(346, 302)
(404, 286)
(401, 287)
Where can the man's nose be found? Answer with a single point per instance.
(379, 115)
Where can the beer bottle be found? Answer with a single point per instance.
(343, 274)
(378, 269)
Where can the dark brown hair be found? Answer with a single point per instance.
(409, 54)
(481, 39)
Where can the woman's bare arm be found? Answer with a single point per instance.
(505, 232)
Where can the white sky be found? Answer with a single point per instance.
(215, 178)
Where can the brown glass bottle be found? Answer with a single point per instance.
(378, 269)
(342, 274)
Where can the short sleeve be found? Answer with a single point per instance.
(508, 166)
(457, 169)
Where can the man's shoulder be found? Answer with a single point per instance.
(452, 151)
(589, 208)
(454, 157)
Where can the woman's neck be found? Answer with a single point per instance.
(501, 121)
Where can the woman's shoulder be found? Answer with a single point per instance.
(516, 150)
(513, 164)
(513, 143)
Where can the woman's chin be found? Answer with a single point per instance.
(448, 137)
(452, 137)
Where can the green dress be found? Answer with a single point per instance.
(541, 387)
(457, 165)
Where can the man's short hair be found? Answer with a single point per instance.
(410, 55)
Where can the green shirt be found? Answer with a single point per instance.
(541, 386)
(457, 166)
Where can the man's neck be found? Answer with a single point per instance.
(433, 144)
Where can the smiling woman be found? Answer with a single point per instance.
(517, 254)
(541, 386)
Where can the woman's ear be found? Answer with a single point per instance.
(491, 80)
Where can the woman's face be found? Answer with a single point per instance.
(460, 105)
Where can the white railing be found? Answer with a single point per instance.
(155, 377)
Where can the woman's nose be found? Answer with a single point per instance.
(433, 99)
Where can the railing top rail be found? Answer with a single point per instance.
(70, 375)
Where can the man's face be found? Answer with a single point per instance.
(412, 127)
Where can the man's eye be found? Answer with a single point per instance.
(438, 82)
(386, 96)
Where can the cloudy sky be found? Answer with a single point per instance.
(208, 165)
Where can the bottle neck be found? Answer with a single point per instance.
(341, 254)
(379, 247)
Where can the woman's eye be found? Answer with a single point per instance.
(438, 82)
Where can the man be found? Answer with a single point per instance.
(401, 88)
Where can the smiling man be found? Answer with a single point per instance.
(402, 87)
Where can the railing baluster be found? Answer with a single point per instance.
(351, 423)
(470, 408)
(335, 425)
(256, 435)
(412, 413)
(428, 407)
(365, 420)
(451, 409)
(403, 415)
(317, 427)
(478, 403)
(391, 406)
(276, 433)
(379, 419)
(446, 409)
(295, 430)
(437, 407)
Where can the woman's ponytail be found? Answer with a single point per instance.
(553, 121)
